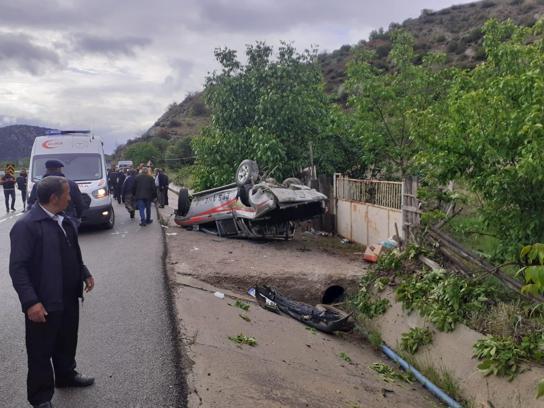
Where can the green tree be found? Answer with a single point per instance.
(385, 104)
(179, 153)
(490, 133)
(268, 110)
(142, 153)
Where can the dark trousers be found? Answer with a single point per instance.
(7, 194)
(55, 340)
(144, 206)
(23, 197)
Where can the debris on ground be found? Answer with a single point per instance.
(343, 355)
(390, 375)
(171, 233)
(219, 295)
(245, 317)
(345, 241)
(243, 339)
(242, 305)
(372, 253)
(325, 318)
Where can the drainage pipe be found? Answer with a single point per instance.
(420, 377)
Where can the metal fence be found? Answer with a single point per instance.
(382, 193)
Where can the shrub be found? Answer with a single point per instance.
(415, 338)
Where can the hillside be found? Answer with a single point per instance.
(454, 31)
(16, 141)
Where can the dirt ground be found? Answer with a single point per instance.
(290, 366)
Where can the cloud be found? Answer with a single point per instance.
(108, 45)
(20, 52)
(115, 68)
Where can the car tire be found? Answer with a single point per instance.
(291, 180)
(243, 194)
(111, 221)
(183, 202)
(248, 172)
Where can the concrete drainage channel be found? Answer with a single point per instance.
(309, 280)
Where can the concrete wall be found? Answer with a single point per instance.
(366, 224)
(453, 352)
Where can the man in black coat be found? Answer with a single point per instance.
(118, 188)
(162, 183)
(144, 192)
(76, 205)
(48, 273)
(126, 193)
(22, 182)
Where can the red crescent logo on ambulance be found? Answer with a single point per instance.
(52, 143)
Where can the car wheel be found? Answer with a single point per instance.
(243, 194)
(111, 221)
(183, 202)
(292, 180)
(248, 171)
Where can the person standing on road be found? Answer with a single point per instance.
(119, 185)
(48, 274)
(126, 193)
(76, 206)
(8, 182)
(162, 182)
(144, 192)
(22, 182)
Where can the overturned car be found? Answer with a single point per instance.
(251, 207)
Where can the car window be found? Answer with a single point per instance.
(77, 167)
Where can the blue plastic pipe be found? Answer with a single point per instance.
(420, 377)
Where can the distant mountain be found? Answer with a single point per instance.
(455, 31)
(16, 141)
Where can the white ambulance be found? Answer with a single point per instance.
(83, 157)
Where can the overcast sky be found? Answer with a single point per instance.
(115, 66)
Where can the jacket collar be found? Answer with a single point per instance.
(36, 213)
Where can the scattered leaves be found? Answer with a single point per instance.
(243, 339)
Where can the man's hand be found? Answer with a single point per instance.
(89, 284)
(36, 313)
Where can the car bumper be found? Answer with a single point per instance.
(96, 215)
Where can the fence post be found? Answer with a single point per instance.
(410, 207)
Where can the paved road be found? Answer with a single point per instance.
(125, 339)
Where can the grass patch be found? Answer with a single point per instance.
(241, 305)
(243, 339)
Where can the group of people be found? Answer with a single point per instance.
(8, 182)
(137, 189)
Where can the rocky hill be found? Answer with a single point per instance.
(16, 141)
(455, 30)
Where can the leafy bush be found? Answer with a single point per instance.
(444, 299)
(500, 356)
(532, 257)
(415, 338)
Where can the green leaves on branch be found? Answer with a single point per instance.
(415, 338)
(268, 110)
(503, 356)
(444, 299)
(532, 257)
(488, 131)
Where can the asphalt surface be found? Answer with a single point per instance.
(125, 336)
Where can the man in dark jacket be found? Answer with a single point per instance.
(119, 185)
(144, 191)
(22, 182)
(126, 193)
(162, 182)
(8, 182)
(76, 205)
(48, 273)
